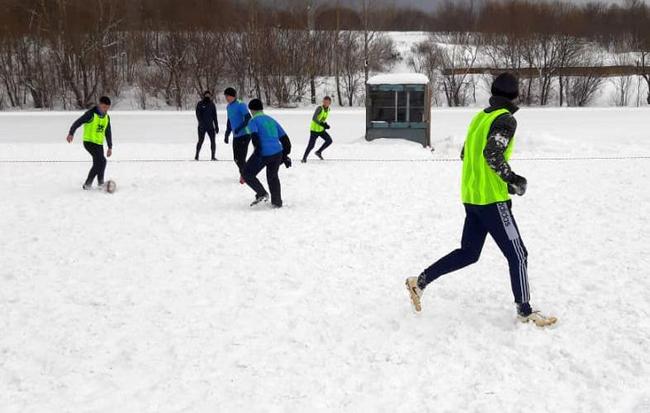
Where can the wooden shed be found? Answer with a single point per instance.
(398, 106)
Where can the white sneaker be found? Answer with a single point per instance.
(415, 292)
(538, 318)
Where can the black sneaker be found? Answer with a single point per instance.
(320, 155)
(213, 159)
(303, 161)
(87, 187)
(259, 199)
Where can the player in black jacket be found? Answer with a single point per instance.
(206, 114)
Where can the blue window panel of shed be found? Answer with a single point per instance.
(398, 125)
(389, 88)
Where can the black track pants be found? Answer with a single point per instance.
(99, 162)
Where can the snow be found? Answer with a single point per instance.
(399, 79)
(172, 295)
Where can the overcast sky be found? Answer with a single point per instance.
(428, 4)
(431, 4)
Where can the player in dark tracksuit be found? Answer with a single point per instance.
(488, 180)
(97, 128)
(238, 118)
(318, 129)
(272, 149)
(206, 115)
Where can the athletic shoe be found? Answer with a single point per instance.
(213, 159)
(415, 292)
(303, 161)
(260, 199)
(320, 155)
(526, 314)
(87, 187)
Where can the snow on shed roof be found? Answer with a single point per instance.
(399, 79)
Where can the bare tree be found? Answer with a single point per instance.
(236, 58)
(206, 62)
(581, 90)
(172, 58)
(287, 72)
(425, 58)
(457, 54)
(622, 84)
(78, 53)
(541, 53)
(350, 52)
(9, 73)
(570, 51)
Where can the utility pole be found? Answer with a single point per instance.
(337, 64)
(312, 52)
(254, 66)
(366, 38)
(310, 15)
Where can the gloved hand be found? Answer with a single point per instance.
(326, 125)
(287, 162)
(517, 185)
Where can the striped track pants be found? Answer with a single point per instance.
(498, 221)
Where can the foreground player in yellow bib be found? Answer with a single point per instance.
(488, 181)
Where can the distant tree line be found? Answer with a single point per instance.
(65, 53)
(545, 37)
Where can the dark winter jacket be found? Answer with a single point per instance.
(206, 114)
(501, 132)
(88, 117)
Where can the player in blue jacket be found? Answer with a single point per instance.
(238, 118)
(272, 149)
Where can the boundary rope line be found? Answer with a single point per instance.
(359, 160)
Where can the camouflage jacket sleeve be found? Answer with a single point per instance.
(501, 133)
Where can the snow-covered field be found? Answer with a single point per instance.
(172, 295)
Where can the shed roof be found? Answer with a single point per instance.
(399, 79)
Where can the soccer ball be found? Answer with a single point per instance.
(111, 186)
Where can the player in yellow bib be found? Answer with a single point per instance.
(318, 129)
(97, 129)
(487, 183)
